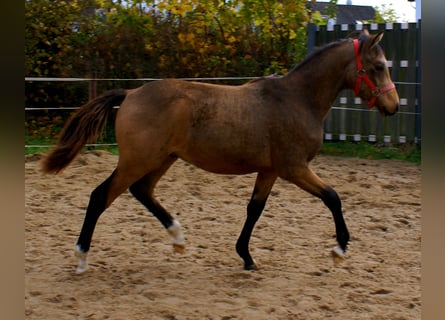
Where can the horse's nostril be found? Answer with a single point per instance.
(395, 110)
(388, 113)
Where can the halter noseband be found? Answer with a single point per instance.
(361, 75)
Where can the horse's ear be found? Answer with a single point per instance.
(365, 32)
(376, 39)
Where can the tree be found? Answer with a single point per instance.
(162, 38)
(330, 12)
(47, 36)
(385, 13)
(331, 9)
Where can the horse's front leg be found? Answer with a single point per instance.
(310, 182)
(333, 202)
(263, 186)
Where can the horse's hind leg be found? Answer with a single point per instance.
(100, 199)
(263, 186)
(143, 191)
(309, 181)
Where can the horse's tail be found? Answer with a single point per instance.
(83, 127)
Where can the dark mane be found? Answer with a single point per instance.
(308, 58)
(317, 53)
(271, 76)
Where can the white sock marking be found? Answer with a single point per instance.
(338, 251)
(175, 231)
(81, 260)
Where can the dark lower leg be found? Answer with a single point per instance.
(96, 205)
(263, 185)
(151, 204)
(142, 190)
(333, 202)
(254, 210)
(309, 181)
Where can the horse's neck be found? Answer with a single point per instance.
(323, 76)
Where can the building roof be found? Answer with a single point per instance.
(346, 14)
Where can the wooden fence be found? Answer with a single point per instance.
(351, 120)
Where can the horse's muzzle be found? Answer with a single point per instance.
(389, 113)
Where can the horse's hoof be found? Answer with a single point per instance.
(251, 267)
(179, 248)
(81, 269)
(338, 255)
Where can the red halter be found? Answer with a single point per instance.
(361, 75)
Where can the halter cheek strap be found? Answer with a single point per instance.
(361, 75)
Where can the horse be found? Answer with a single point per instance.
(271, 126)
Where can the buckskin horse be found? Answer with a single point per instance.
(272, 126)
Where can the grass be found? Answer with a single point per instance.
(36, 146)
(405, 152)
(365, 150)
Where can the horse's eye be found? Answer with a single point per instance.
(380, 67)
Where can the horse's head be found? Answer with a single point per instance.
(372, 79)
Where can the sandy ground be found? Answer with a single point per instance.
(134, 273)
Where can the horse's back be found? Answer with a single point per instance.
(215, 127)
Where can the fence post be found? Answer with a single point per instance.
(93, 86)
(311, 30)
(419, 86)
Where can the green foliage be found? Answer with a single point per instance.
(385, 13)
(174, 38)
(331, 9)
(318, 19)
(330, 12)
(165, 38)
